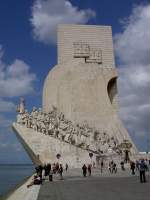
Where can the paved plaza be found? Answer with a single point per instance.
(120, 186)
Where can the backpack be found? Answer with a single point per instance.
(142, 166)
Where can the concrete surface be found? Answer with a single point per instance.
(24, 193)
(96, 188)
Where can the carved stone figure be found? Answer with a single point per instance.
(21, 106)
(54, 124)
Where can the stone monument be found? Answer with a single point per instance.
(79, 118)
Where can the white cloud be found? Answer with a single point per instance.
(6, 106)
(133, 50)
(132, 45)
(15, 79)
(47, 14)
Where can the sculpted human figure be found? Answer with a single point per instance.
(72, 138)
(67, 137)
(92, 140)
(34, 124)
(42, 124)
(56, 133)
(76, 135)
(26, 118)
(19, 118)
(39, 118)
(105, 147)
(68, 131)
(33, 119)
(63, 124)
(21, 111)
(55, 124)
(61, 116)
(46, 122)
(54, 112)
(63, 127)
(51, 127)
(21, 106)
(83, 140)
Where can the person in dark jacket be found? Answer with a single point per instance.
(142, 170)
(51, 176)
(89, 169)
(66, 167)
(132, 166)
(122, 166)
(61, 171)
(84, 169)
(47, 169)
(39, 170)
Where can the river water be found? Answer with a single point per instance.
(11, 175)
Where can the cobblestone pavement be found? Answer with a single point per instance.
(121, 186)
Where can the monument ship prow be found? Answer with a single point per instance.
(79, 120)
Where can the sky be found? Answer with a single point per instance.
(28, 51)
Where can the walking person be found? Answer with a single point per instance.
(93, 164)
(110, 167)
(61, 172)
(89, 169)
(54, 168)
(51, 175)
(39, 170)
(122, 166)
(137, 165)
(142, 169)
(114, 168)
(102, 165)
(132, 166)
(84, 169)
(66, 167)
(57, 167)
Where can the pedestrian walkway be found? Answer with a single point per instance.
(105, 186)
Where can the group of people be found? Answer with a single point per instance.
(86, 169)
(142, 166)
(48, 170)
(112, 167)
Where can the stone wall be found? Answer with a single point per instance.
(95, 36)
(80, 89)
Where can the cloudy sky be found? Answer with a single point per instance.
(28, 52)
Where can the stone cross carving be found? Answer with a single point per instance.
(81, 49)
(95, 56)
